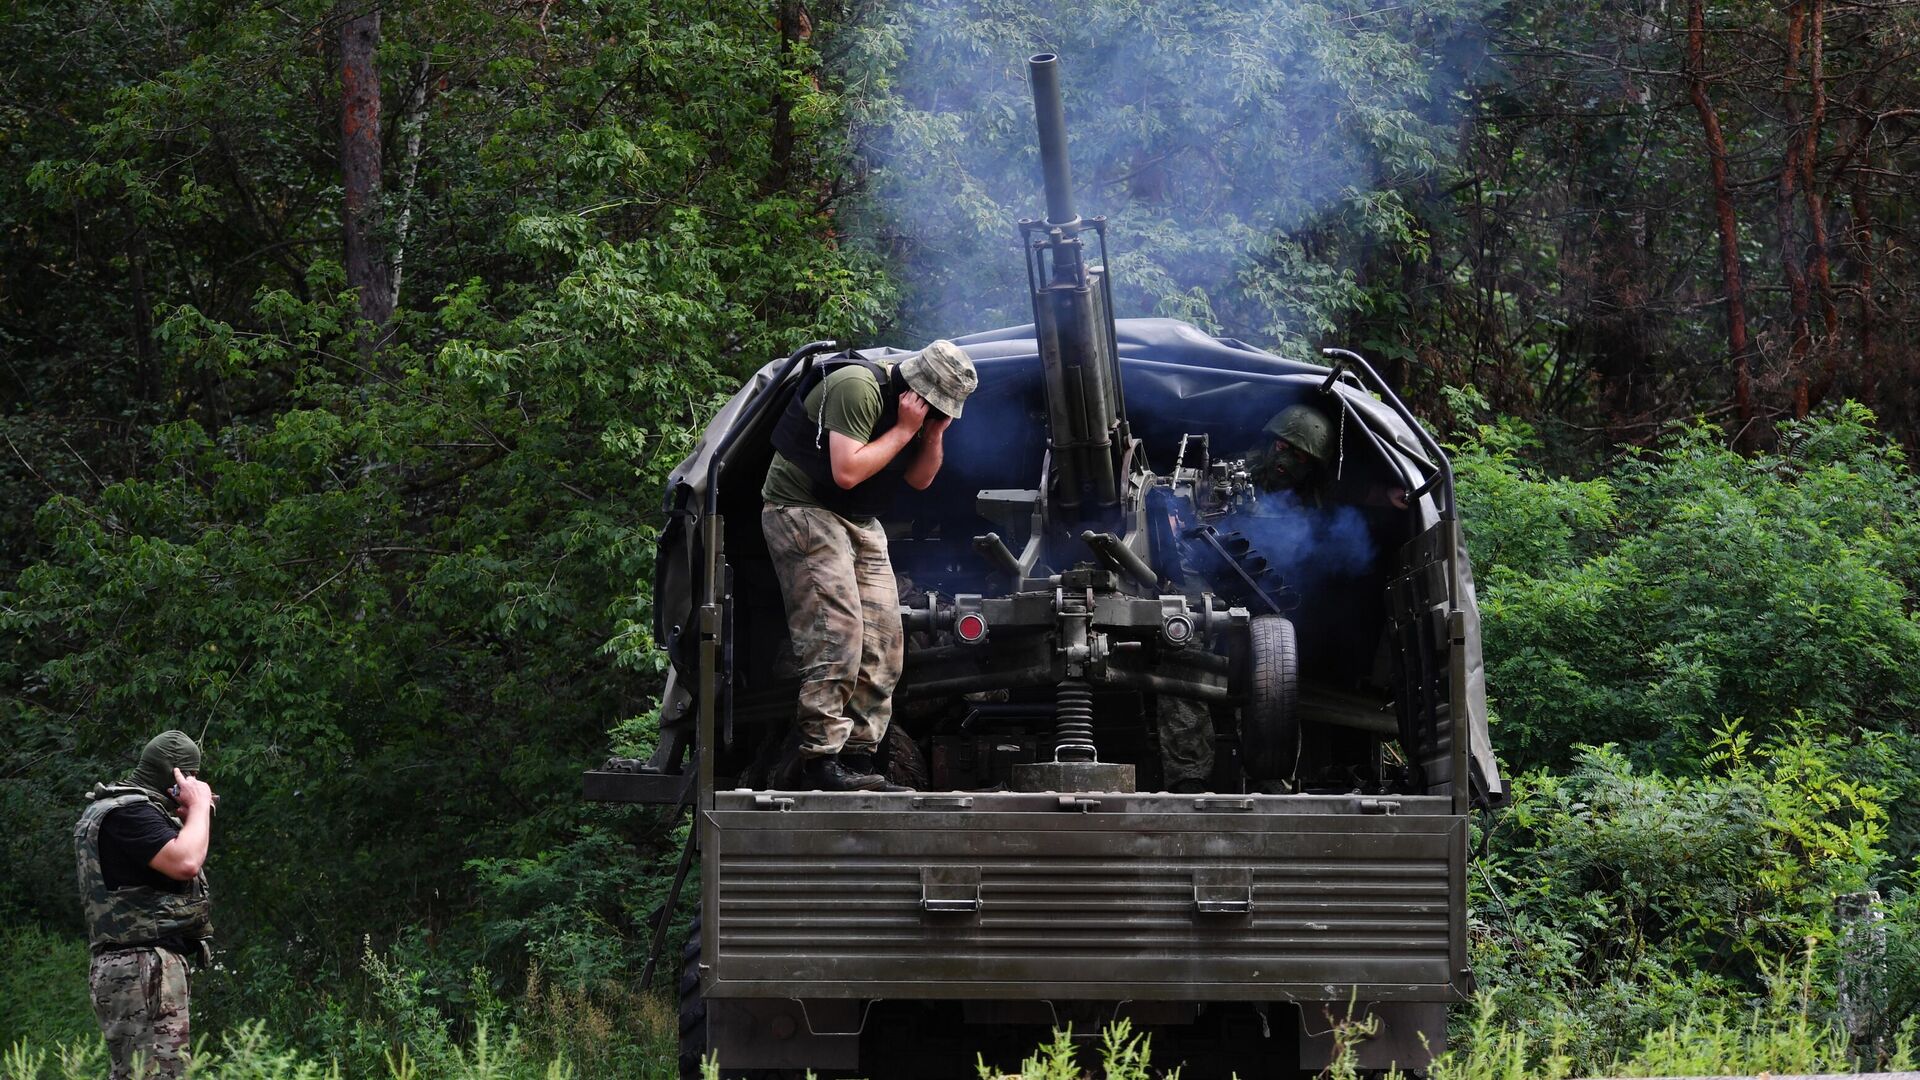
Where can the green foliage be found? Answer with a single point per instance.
(402, 593)
(1696, 584)
(1124, 1055)
(413, 1020)
(1738, 632)
(576, 904)
(248, 1052)
(1616, 902)
(1055, 1060)
(1775, 1036)
(43, 986)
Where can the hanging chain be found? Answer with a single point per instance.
(1340, 462)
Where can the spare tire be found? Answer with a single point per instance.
(1270, 723)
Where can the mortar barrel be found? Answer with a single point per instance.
(1043, 73)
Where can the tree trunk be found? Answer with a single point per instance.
(367, 269)
(795, 26)
(1792, 259)
(1737, 345)
(1818, 263)
(1863, 255)
(412, 125)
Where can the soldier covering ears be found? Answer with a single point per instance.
(853, 433)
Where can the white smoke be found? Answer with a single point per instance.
(1247, 153)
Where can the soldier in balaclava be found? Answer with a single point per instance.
(140, 846)
(854, 432)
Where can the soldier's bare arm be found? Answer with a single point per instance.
(854, 461)
(183, 856)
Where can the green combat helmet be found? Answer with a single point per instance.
(1295, 446)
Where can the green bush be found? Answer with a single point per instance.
(247, 1052)
(43, 987)
(401, 598)
(1776, 1035)
(1614, 901)
(1695, 584)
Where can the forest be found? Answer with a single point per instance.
(345, 348)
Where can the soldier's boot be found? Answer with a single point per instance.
(861, 761)
(828, 773)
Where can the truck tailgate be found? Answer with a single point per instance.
(1147, 897)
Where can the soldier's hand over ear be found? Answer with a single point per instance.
(194, 793)
(913, 411)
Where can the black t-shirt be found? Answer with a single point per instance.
(129, 839)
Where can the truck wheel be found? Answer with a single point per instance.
(1270, 724)
(693, 1007)
(899, 759)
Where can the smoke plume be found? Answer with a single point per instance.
(1309, 545)
(1253, 157)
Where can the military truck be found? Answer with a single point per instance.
(1095, 545)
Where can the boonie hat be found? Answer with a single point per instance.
(942, 374)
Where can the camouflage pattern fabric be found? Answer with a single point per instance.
(135, 914)
(140, 997)
(1185, 727)
(942, 374)
(843, 614)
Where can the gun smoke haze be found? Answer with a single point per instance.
(1249, 156)
(1307, 545)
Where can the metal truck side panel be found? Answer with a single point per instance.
(1165, 906)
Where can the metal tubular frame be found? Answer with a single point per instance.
(1457, 719)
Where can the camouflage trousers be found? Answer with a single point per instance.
(1185, 728)
(843, 614)
(140, 997)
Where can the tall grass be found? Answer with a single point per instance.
(248, 1053)
(400, 1029)
(1767, 1040)
(43, 987)
(1776, 1037)
(1779, 1036)
(558, 1032)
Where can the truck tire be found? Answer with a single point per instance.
(1270, 724)
(693, 1007)
(693, 1020)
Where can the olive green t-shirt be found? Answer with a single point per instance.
(847, 401)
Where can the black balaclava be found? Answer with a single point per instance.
(164, 753)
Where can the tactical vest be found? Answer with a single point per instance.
(802, 439)
(133, 914)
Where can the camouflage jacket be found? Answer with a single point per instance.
(133, 914)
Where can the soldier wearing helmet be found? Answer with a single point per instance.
(1295, 451)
